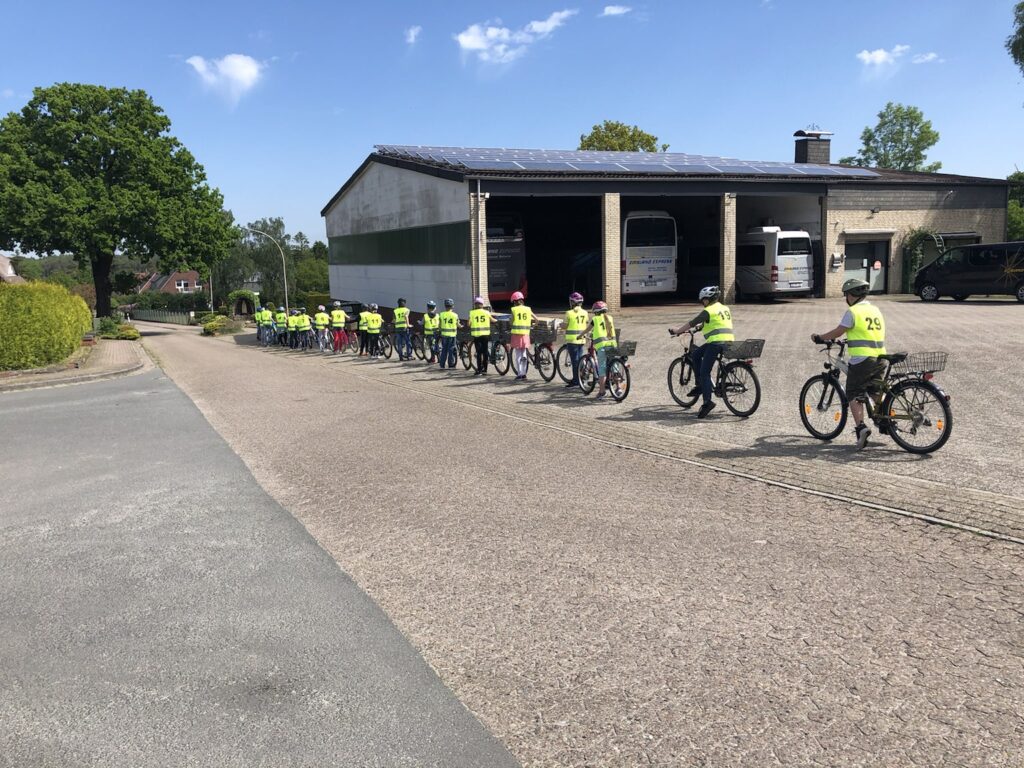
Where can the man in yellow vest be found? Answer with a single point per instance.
(480, 329)
(374, 321)
(338, 319)
(364, 337)
(403, 344)
(576, 320)
(864, 327)
(449, 328)
(431, 332)
(716, 325)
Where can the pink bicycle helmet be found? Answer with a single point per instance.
(479, 300)
(576, 297)
(518, 296)
(600, 306)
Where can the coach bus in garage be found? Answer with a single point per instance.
(649, 253)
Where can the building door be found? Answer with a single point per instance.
(869, 261)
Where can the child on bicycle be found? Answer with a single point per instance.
(716, 325)
(431, 332)
(480, 328)
(864, 327)
(601, 329)
(321, 320)
(403, 343)
(522, 320)
(338, 320)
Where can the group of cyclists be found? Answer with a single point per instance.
(862, 324)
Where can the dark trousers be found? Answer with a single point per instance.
(373, 343)
(575, 355)
(362, 342)
(293, 339)
(483, 344)
(703, 361)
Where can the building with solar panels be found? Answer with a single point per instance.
(434, 222)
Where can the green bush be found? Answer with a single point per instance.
(111, 329)
(40, 324)
(128, 332)
(311, 300)
(108, 328)
(221, 324)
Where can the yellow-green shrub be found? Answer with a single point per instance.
(40, 324)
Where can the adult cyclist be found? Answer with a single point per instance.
(716, 325)
(864, 327)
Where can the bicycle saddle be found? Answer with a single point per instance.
(895, 357)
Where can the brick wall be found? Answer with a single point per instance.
(990, 223)
(611, 249)
(727, 248)
(478, 244)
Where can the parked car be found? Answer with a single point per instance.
(984, 269)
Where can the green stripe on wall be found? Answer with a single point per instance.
(437, 244)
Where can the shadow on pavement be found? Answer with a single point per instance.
(804, 447)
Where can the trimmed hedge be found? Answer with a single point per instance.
(221, 324)
(40, 324)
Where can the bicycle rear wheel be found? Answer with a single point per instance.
(681, 379)
(500, 358)
(417, 347)
(387, 347)
(353, 341)
(618, 379)
(545, 361)
(465, 355)
(741, 390)
(920, 419)
(588, 374)
(823, 407)
(563, 363)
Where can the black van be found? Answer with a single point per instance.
(985, 269)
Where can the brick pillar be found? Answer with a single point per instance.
(478, 244)
(830, 243)
(727, 248)
(611, 249)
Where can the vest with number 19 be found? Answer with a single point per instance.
(719, 325)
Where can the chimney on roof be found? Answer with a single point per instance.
(813, 147)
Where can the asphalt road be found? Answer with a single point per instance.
(159, 608)
(595, 605)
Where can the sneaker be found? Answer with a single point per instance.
(600, 395)
(705, 409)
(863, 433)
(693, 392)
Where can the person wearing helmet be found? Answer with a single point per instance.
(601, 330)
(864, 327)
(448, 324)
(281, 326)
(480, 328)
(576, 321)
(364, 337)
(304, 329)
(403, 344)
(321, 321)
(374, 321)
(715, 322)
(293, 329)
(338, 336)
(431, 323)
(522, 321)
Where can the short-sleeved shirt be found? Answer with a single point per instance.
(848, 322)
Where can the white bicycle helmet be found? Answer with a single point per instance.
(709, 292)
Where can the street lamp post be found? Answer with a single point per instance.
(284, 267)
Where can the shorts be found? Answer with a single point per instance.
(602, 361)
(865, 378)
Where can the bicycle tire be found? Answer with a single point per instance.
(544, 359)
(681, 379)
(917, 396)
(734, 387)
(417, 347)
(501, 358)
(563, 363)
(820, 413)
(387, 348)
(618, 379)
(588, 374)
(465, 355)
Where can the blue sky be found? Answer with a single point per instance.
(281, 103)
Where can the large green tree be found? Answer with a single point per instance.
(900, 141)
(93, 172)
(1015, 42)
(613, 136)
(1015, 207)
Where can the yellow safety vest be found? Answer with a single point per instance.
(293, 322)
(575, 324)
(322, 320)
(522, 317)
(867, 337)
(449, 323)
(480, 322)
(373, 323)
(719, 325)
(599, 333)
(430, 324)
(362, 320)
(281, 319)
(338, 318)
(305, 322)
(401, 318)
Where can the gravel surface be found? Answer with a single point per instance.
(598, 606)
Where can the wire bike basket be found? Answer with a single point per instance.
(747, 349)
(922, 362)
(623, 349)
(543, 333)
(463, 334)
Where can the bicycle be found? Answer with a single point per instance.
(617, 360)
(499, 355)
(734, 382)
(542, 355)
(912, 405)
(323, 340)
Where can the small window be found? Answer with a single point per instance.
(950, 258)
(986, 258)
(794, 246)
(750, 255)
(647, 233)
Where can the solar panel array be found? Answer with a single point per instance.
(580, 161)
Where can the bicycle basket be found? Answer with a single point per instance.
(463, 334)
(543, 333)
(623, 349)
(747, 349)
(922, 362)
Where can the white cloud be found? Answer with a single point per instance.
(616, 10)
(880, 58)
(928, 58)
(7, 93)
(494, 44)
(232, 75)
(412, 33)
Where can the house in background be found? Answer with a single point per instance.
(7, 274)
(175, 282)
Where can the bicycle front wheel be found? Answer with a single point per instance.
(618, 379)
(563, 363)
(387, 347)
(741, 390)
(920, 419)
(500, 358)
(588, 374)
(823, 407)
(681, 379)
(465, 355)
(417, 347)
(545, 361)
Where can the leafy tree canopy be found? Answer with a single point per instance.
(1016, 186)
(613, 136)
(92, 172)
(899, 141)
(1015, 42)
(1015, 221)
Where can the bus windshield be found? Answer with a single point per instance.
(647, 233)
